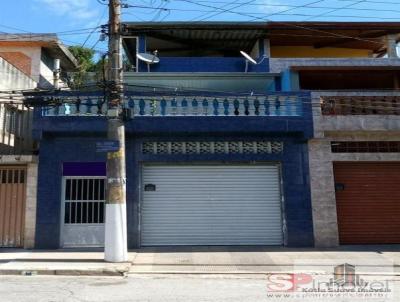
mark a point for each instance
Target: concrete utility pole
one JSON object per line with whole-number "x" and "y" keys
{"x": 115, "y": 221}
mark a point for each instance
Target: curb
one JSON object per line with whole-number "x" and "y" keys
{"x": 264, "y": 273}
{"x": 63, "y": 272}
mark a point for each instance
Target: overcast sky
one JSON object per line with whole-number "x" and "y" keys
{"x": 61, "y": 16}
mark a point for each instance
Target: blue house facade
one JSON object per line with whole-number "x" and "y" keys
{"x": 214, "y": 155}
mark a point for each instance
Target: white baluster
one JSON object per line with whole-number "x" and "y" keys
{"x": 192, "y": 109}
{"x": 184, "y": 106}
{"x": 220, "y": 107}
{"x": 242, "y": 108}
{"x": 292, "y": 105}
{"x": 147, "y": 107}
{"x": 205, "y": 105}
{"x": 157, "y": 107}
{"x": 174, "y": 107}
{"x": 283, "y": 109}
{"x": 167, "y": 106}
{"x": 252, "y": 108}
{"x": 272, "y": 105}
{"x": 231, "y": 107}
{"x": 136, "y": 107}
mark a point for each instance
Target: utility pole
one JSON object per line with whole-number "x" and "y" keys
{"x": 115, "y": 245}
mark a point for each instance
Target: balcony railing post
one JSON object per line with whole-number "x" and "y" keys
{"x": 204, "y": 104}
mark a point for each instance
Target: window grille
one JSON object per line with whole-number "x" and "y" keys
{"x": 84, "y": 200}
{"x": 212, "y": 147}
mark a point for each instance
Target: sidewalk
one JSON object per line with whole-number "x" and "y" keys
{"x": 58, "y": 262}
{"x": 379, "y": 260}
{"x": 264, "y": 260}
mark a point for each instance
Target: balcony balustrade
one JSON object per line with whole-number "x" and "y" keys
{"x": 271, "y": 105}
{"x": 360, "y": 105}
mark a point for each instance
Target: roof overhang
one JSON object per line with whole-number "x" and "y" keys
{"x": 362, "y": 35}
{"x": 48, "y": 42}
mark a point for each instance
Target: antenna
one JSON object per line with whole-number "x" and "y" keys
{"x": 248, "y": 59}
{"x": 148, "y": 58}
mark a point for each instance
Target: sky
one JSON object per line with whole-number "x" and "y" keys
{"x": 75, "y": 21}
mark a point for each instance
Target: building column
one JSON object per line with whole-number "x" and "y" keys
{"x": 323, "y": 198}
{"x": 30, "y": 206}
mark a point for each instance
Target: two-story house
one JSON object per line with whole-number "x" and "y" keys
{"x": 215, "y": 155}
{"x": 220, "y": 149}
{"x": 26, "y": 63}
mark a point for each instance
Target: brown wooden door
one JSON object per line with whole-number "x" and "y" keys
{"x": 12, "y": 205}
{"x": 368, "y": 202}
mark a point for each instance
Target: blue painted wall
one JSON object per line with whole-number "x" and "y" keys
{"x": 54, "y": 151}
{"x": 72, "y": 139}
{"x": 204, "y": 64}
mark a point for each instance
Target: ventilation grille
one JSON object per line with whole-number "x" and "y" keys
{"x": 366, "y": 147}
{"x": 216, "y": 147}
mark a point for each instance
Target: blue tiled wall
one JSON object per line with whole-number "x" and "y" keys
{"x": 55, "y": 151}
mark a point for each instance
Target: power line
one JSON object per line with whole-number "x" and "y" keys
{"x": 289, "y": 24}
{"x": 92, "y": 32}
{"x": 223, "y": 10}
{"x": 336, "y": 9}
{"x": 287, "y": 5}
{"x": 280, "y": 13}
{"x": 260, "y": 14}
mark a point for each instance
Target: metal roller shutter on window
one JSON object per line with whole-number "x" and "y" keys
{"x": 211, "y": 205}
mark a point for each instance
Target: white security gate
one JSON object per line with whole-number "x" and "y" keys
{"x": 211, "y": 205}
{"x": 83, "y": 211}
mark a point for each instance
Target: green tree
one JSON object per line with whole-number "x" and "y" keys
{"x": 85, "y": 58}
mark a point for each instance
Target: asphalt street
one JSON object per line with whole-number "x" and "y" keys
{"x": 145, "y": 288}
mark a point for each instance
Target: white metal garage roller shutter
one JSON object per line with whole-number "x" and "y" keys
{"x": 211, "y": 205}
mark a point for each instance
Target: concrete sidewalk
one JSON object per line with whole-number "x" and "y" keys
{"x": 383, "y": 260}
{"x": 265, "y": 260}
{"x": 58, "y": 262}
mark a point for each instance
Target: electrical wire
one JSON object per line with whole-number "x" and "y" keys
{"x": 336, "y": 9}
{"x": 216, "y": 14}
{"x": 102, "y": 2}
{"x": 280, "y": 13}
{"x": 287, "y": 5}
{"x": 287, "y": 24}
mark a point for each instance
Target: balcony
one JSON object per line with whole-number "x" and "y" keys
{"x": 204, "y": 64}
{"x": 360, "y": 105}
{"x": 208, "y": 82}
{"x": 356, "y": 111}
{"x": 190, "y": 106}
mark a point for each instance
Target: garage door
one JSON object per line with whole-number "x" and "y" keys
{"x": 12, "y": 205}
{"x": 368, "y": 202}
{"x": 211, "y": 205}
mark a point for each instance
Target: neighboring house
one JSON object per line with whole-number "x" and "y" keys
{"x": 25, "y": 64}
{"x": 217, "y": 156}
